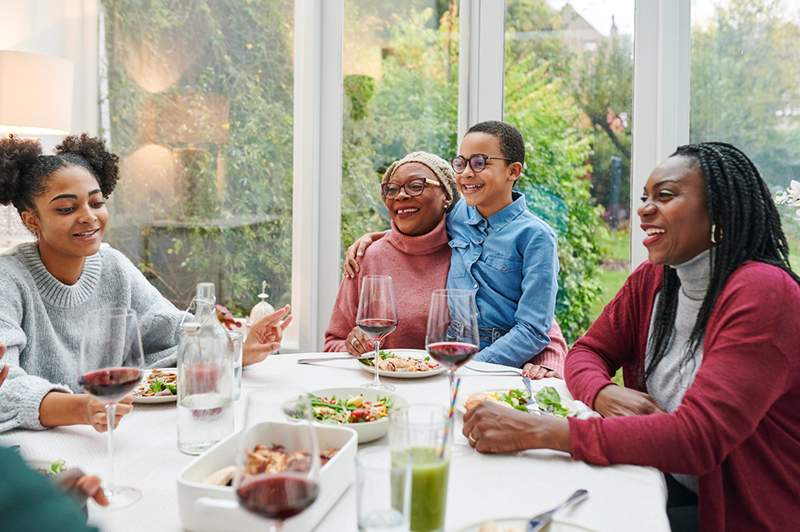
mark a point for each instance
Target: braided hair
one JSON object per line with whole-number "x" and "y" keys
{"x": 24, "y": 170}
{"x": 745, "y": 226}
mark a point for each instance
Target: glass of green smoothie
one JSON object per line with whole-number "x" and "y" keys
{"x": 418, "y": 432}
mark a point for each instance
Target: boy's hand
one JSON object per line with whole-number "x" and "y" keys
{"x": 356, "y": 251}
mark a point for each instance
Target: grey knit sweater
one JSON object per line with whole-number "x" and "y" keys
{"x": 41, "y": 323}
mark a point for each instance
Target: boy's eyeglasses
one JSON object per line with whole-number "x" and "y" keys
{"x": 415, "y": 187}
{"x": 477, "y": 162}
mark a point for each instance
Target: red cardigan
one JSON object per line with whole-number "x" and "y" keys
{"x": 738, "y": 426}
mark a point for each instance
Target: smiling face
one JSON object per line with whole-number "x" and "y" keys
{"x": 674, "y": 212}
{"x": 416, "y": 215}
{"x": 70, "y": 215}
{"x": 490, "y": 189}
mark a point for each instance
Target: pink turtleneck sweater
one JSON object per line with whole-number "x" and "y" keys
{"x": 418, "y": 266}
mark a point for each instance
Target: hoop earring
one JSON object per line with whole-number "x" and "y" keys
{"x": 714, "y": 233}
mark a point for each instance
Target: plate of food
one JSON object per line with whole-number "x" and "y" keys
{"x": 403, "y": 364}
{"x": 519, "y": 524}
{"x": 548, "y": 400}
{"x": 362, "y": 409}
{"x": 159, "y": 385}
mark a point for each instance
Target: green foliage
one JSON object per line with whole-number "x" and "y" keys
{"x": 230, "y": 219}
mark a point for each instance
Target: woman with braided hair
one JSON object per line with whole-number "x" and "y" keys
{"x": 48, "y": 286}
{"x": 706, "y": 334}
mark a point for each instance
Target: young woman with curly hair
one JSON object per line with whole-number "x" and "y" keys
{"x": 48, "y": 286}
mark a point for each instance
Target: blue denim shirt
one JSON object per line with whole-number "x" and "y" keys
{"x": 510, "y": 259}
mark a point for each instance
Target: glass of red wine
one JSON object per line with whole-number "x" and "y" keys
{"x": 452, "y": 337}
{"x": 377, "y": 317}
{"x": 110, "y": 362}
{"x": 281, "y": 494}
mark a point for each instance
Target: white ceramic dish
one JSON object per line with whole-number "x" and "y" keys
{"x": 576, "y": 408}
{"x": 208, "y": 508}
{"x": 371, "y": 430}
{"x": 155, "y": 399}
{"x": 408, "y": 353}
{"x": 519, "y": 524}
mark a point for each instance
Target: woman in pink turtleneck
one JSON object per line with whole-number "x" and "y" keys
{"x": 417, "y": 190}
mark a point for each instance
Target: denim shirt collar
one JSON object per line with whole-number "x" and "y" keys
{"x": 501, "y": 218}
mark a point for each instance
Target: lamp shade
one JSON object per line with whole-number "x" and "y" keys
{"x": 35, "y": 94}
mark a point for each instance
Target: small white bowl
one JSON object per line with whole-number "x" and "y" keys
{"x": 371, "y": 430}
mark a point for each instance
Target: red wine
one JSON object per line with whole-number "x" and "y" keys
{"x": 452, "y": 354}
{"x": 277, "y": 497}
{"x": 111, "y": 382}
{"x": 377, "y": 327}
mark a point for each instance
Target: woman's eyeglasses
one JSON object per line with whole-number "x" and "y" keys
{"x": 415, "y": 187}
{"x": 477, "y": 162}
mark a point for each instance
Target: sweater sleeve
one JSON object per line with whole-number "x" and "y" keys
{"x": 158, "y": 318}
{"x": 343, "y": 317}
{"x": 747, "y": 362}
{"x": 554, "y": 353}
{"x": 21, "y": 393}
{"x": 608, "y": 343}
{"x": 534, "y": 315}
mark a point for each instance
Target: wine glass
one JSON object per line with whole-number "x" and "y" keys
{"x": 110, "y": 362}
{"x": 452, "y": 337}
{"x": 277, "y": 495}
{"x": 377, "y": 317}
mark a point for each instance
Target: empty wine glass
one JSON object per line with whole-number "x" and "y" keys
{"x": 452, "y": 337}
{"x": 377, "y": 317}
{"x": 277, "y": 495}
{"x": 110, "y": 362}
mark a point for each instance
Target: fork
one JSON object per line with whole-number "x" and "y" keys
{"x": 531, "y": 404}
{"x": 539, "y": 521}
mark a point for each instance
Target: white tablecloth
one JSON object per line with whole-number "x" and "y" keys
{"x": 480, "y": 487}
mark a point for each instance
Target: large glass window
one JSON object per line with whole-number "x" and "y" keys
{"x": 746, "y": 87}
{"x": 569, "y": 90}
{"x": 198, "y": 106}
{"x": 400, "y": 71}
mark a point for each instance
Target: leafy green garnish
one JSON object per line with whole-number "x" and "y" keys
{"x": 173, "y": 389}
{"x": 57, "y": 467}
{"x": 158, "y": 385}
{"x": 385, "y": 354}
{"x": 516, "y": 398}
{"x": 550, "y": 401}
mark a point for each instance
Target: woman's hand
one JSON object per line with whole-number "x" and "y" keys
{"x": 81, "y": 486}
{"x": 536, "y": 372}
{"x": 265, "y": 336}
{"x": 356, "y": 251}
{"x": 96, "y": 412}
{"x": 4, "y": 371}
{"x": 493, "y": 428}
{"x": 357, "y": 343}
{"x": 614, "y": 401}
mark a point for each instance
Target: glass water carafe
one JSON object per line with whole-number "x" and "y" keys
{"x": 205, "y": 378}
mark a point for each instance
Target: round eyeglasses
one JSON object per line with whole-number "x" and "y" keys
{"x": 415, "y": 187}
{"x": 476, "y": 161}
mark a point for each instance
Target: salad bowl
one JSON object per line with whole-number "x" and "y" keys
{"x": 364, "y": 410}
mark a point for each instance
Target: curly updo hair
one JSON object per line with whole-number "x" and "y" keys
{"x": 24, "y": 170}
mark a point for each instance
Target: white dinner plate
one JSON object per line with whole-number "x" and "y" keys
{"x": 156, "y": 399}
{"x": 408, "y": 353}
{"x": 576, "y": 408}
{"x": 519, "y": 524}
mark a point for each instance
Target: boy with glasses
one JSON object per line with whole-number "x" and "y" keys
{"x": 501, "y": 250}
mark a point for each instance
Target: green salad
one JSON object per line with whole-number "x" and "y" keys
{"x": 549, "y": 401}
{"x": 355, "y": 409}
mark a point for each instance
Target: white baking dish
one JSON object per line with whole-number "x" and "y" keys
{"x": 208, "y": 508}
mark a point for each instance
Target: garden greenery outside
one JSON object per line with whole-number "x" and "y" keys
{"x": 199, "y": 95}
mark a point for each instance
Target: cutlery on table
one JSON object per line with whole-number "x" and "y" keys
{"x": 325, "y": 359}
{"x": 539, "y": 521}
{"x": 509, "y": 371}
{"x": 531, "y": 404}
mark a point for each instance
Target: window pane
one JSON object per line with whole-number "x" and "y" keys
{"x": 745, "y": 89}
{"x": 200, "y": 107}
{"x": 569, "y": 90}
{"x": 400, "y": 95}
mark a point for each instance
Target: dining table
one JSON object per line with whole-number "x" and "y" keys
{"x": 481, "y": 486}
